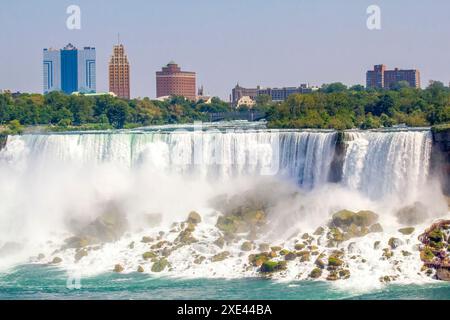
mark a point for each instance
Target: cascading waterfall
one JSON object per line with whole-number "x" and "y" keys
{"x": 387, "y": 163}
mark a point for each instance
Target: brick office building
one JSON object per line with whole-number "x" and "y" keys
{"x": 172, "y": 81}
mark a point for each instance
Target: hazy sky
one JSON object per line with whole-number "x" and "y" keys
{"x": 265, "y": 42}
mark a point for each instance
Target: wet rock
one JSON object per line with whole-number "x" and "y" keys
{"x": 41, "y": 256}
{"x": 345, "y": 218}
{"x": 335, "y": 261}
{"x": 320, "y": 263}
{"x": 319, "y": 231}
{"x": 147, "y": 239}
{"x": 118, "y": 268}
{"x": 56, "y": 260}
{"x": 220, "y": 256}
{"x": 413, "y": 214}
{"x": 335, "y": 235}
{"x": 220, "y": 242}
{"x": 376, "y": 228}
{"x": 160, "y": 265}
{"x": 290, "y": 256}
{"x": 185, "y": 237}
{"x": 394, "y": 243}
{"x": 406, "y": 253}
{"x": 299, "y": 246}
{"x": 273, "y": 266}
{"x": 443, "y": 274}
{"x": 247, "y": 246}
{"x": 257, "y": 260}
{"x": 199, "y": 260}
{"x": 333, "y": 276}
{"x": 406, "y": 231}
{"x": 304, "y": 256}
{"x": 276, "y": 248}
{"x": 149, "y": 255}
{"x": 264, "y": 247}
{"x": 315, "y": 273}
{"x": 344, "y": 274}
{"x": 194, "y": 218}
{"x": 79, "y": 242}
{"x": 387, "y": 253}
{"x": 376, "y": 245}
{"x": 131, "y": 245}
{"x": 140, "y": 269}
{"x": 80, "y": 254}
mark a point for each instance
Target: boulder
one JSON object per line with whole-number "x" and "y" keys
{"x": 264, "y": 247}
{"x": 315, "y": 273}
{"x": 160, "y": 265}
{"x": 118, "y": 268}
{"x": 220, "y": 256}
{"x": 194, "y": 218}
{"x": 406, "y": 231}
{"x": 80, "y": 254}
{"x": 56, "y": 260}
{"x": 149, "y": 255}
{"x": 273, "y": 266}
{"x": 412, "y": 215}
{"x": 299, "y": 246}
{"x": 290, "y": 256}
{"x": 345, "y": 218}
{"x": 247, "y": 246}
{"x": 394, "y": 243}
{"x": 140, "y": 269}
{"x": 443, "y": 274}
{"x": 376, "y": 228}
{"x": 220, "y": 242}
{"x": 147, "y": 239}
{"x": 319, "y": 231}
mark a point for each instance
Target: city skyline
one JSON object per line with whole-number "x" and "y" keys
{"x": 223, "y": 48}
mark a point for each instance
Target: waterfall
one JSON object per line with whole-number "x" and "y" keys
{"x": 303, "y": 157}
{"x": 387, "y": 163}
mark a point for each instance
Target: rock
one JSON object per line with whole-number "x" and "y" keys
{"x": 140, "y": 269}
{"x": 406, "y": 231}
{"x": 284, "y": 252}
{"x": 351, "y": 248}
{"x": 376, "y": 245}
{"x": 345, "y": 218}
{"x": 335, "y": 261}
{"x": 185, "y": 237}
{"x": 56, "y": 260}
{"x": 79, "y": 242}
{"x": 40, "y": 256}
{"x": 149, "y": 255}
{"x": 443, "y": 274}
{"x": 344, "y": 274}
{"x": 299, "y": 246}
{"x": 320, "y": 263}
{"x": 319, "y": 231}
{"x": 332, "y": 276}
{"x": 426, "y": 254}
{"x": 264, "y": 247}
{"x": 413, "y": 214}
{"x": 315, "y": 273}
{"x": 273, "y": 266}
{"x": 247, "y": 246}
{"x": 387, "y": 253}
{"x": 220, "y": 256}
{"x": 199, "y": 260}
{"x": 131, "y": 245}
{"x": 109, "y": 227}
{"x": 276, "y": 248}
{"x": 220, "y": 242}
{"x": 306, "y": 236}
{"x": 335, "y": 235}
{"x": 394, "y": 243}
{"x": 406, "y": 253}
{"x": 194, "y": 218}
{"x": 147, "y": 239}
{"x": 376, "y": 228}
{"x": 118, "y": 268}
{"x": 304, "y": 256}
{"x": 290, "y": 256}
{"x": 257, "y": 260}
{"x": 160, "y": 265}
{"x": 80, "y": 254}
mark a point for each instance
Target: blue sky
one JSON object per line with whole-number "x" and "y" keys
{"x": 270, "y": 43}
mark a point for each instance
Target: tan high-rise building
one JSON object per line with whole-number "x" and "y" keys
{"x": 119, "y": 73}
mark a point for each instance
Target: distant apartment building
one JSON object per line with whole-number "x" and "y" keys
{"x": 119, "y": 72}
{"x": 69, "y": 70}
{"x": 381, "y": 78}
{"x": 276, "y": 94}
{"x": 171, "y": 80}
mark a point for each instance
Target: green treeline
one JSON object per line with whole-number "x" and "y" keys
{"x": 334, "y": 106}
{"x": 100, "y": 112}
{"x": 338, "y": 107}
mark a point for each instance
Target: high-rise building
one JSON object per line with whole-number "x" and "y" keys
{"x": 70, "y": 70}
{"x": 119, "y": 73}
{"x": 172, "y": 81}
{"x": 381, "y": 78}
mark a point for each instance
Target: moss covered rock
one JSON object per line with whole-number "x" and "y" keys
{"x": 149, "y": 255}
{"x": 147, "y": 239}
{"x": 247, "y": 246}
{"x": 394, "y": 243}
{"x": 345, "y": 218}
{"x": 376, "y": 228}
{"x": 220, "y": 256}
{"x": 315, "y": 273}
{"x": 140, "y": 269}
{"x": 273, "y": 266}
{"x": 160, "y": 265}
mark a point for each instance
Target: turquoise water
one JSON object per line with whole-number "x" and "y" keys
{"x": 43, "y": 282}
